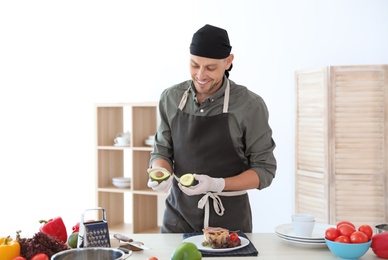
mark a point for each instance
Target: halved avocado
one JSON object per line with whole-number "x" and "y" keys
{"x": 159, "y": 175}
{"x": 187, "y": 179}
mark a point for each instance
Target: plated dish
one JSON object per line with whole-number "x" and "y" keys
{"x": 197, "y": 240}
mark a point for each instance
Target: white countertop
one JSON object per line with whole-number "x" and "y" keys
{"x": 269, "y": 246}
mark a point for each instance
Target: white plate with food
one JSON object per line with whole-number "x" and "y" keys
{"x": 198, "y": 240}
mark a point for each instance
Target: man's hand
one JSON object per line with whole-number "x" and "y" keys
{"x": 205, "y": 184}
{"x": 164, "y": 185}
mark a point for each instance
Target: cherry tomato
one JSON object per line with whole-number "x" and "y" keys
{"x": 152, "y": 258}
{"x": 358, "y": 237}
{"x": 234, "y": 236}
{"x": 367, "y": 230}
{"x": 332, "y": 233}
{"x": 40, "y": 257}
{"x": 342, "y": 239}
{"x": 345, "y": 222}
{"x": 346, "y": 229}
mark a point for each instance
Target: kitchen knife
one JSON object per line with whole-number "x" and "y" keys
{"x": 122, "y": 238}
{"x": 129, "y": 241}
{"x": 138, "y": 244}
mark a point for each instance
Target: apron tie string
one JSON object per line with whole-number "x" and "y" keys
{"x": 217, "y": 203}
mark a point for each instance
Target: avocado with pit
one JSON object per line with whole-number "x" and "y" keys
{"x": 159, "y": 175}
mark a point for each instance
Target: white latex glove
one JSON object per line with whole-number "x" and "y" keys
{"x": 205, "y": 184}
{"x": 164, "y": 185}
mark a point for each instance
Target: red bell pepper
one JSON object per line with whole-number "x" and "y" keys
{"x": 54, "y": 228}
{"x": 380, "y": 245}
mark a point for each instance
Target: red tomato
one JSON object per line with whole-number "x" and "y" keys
{"x": 152, "y": 258}
{"x": 342, "y": 239}
{"x": 346, "y": 229}
{"x": 358, "y": 237}
{"x": 332, "y": 233}
{"x": 40, "y": 257}
{"x": 367, "y": 230}
{"x": 345, "y": 222}
{"x": 19, "y": 258}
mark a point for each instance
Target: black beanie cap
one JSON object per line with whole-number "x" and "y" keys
{"x": 210, "y": 42}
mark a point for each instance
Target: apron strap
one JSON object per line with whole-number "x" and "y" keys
{"x": 183, "y": 102}
{"x": 226, "y": 98}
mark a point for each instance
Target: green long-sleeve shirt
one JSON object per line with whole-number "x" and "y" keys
{"x": 248, "y": 125}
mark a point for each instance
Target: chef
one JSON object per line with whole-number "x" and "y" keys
{"x": 219, "y": 131}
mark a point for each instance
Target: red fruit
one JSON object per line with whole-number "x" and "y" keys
{"x": 367, "y": 230}
{"x": 358, "y": 237}
{"x": 75, "y": 228}
{"x": 345, "y": 222}
{"x": 342, "y": 239}
{"x": 40, "y": 257}
{"x": 380, "y": 245}
{"x": 233, "y": 240}
{"x": 332, "y": 233}
{"x": 346, "y": 229}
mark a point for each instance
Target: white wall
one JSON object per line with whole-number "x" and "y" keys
{"x": 59, "y": 58}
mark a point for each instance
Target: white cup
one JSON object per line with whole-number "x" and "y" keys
{"x": 120, "y": 140}
{"x": 303, "y": 224}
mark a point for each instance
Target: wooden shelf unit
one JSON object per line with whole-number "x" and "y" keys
{"x": 141, "y": 119}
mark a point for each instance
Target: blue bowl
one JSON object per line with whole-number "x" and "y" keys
{"x": 348, "y": 251}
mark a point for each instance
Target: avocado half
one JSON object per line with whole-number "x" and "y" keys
{"x": 159, "y": 175}
{"x": 187, "y": 179}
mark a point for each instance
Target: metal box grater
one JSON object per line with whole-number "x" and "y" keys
{"x": 95, "y": 233}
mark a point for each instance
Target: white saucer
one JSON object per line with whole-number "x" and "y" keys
{"x": 122, "y": 184}
{"x": 122, "y": 145}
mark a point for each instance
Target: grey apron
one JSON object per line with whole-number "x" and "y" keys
{"x": 203, "y": 145}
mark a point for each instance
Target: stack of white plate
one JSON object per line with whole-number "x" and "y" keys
{"x": 121, "y": 182}
{"x": 286, "y": 233}
{"x": 150, "y": 141}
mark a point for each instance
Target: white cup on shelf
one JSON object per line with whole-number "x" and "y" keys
{"x": 122, "y": 139}
{"x": 303, "y": 224}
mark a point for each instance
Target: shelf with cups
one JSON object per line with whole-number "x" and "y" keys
{"x": 124, "y": 134}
